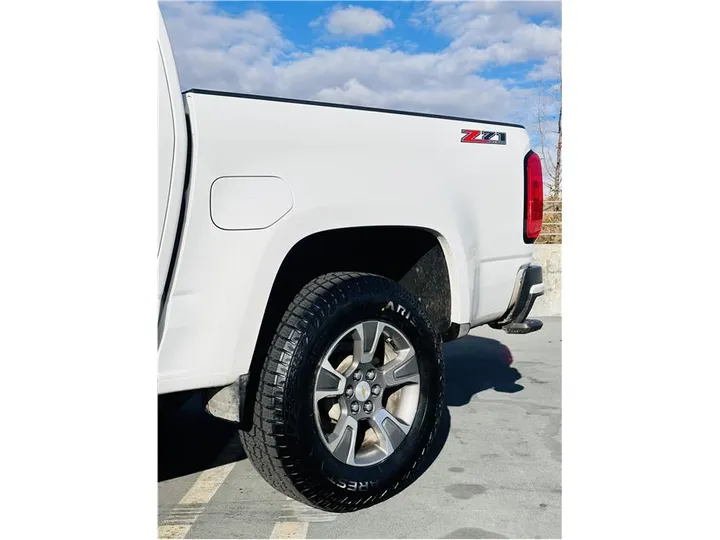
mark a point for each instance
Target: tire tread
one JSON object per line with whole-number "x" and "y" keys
{"x": 264, "y": 443}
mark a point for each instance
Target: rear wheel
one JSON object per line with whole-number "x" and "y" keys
{"x": 350, "y": 394}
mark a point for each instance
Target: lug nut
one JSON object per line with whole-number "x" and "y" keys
{"x": 376, "y": 390}
{"x": 357, "y": 375}
{"x": 370, "y": 375}
{"x": 368, "y": 406}
{"x": 354, "y": 407}
{"x": 349, "y": 391}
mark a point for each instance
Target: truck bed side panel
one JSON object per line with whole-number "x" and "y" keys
{"x": 343, "y": 168}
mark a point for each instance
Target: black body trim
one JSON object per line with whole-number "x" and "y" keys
{"x": 178, "y": 232}
{"x": 515, "y": 320}
{"x": 452, "y": 333}
{"x": 351, "y": 107}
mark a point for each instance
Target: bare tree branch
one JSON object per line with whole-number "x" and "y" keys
{"x": 549, "y": 100}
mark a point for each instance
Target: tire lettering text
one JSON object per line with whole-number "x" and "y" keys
{"x": 399, "y": 309}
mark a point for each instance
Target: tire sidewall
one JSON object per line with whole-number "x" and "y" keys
{"x": 382, "y": 300}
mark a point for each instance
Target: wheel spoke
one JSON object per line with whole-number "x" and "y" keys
{"x": 402, "y": 370}
{"x": 390, "y": 430}
{"x": 369, "y": 334}
{"x": 329, "y": 382}
{"x": 352, "y": 421}
{"x": 343, "y": 439}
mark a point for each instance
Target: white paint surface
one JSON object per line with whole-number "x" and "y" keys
{"x": 172, "y": 155}
{"x": 249, "y": 202}
{"x": 344, "y": 168}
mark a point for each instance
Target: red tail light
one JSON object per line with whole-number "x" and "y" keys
{"x": 533, "y": 198}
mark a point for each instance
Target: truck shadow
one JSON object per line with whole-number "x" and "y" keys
{"x": 190, "y": 440}
{"x": 472, "y": 365}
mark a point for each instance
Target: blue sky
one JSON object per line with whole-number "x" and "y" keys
{"x": 492, "y": 60}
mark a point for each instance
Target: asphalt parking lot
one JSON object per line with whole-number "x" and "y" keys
{"x": 495, "y": 470}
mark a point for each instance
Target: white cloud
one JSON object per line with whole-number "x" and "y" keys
{"x": 549, "y": 70}
{"x": 248, "y": 53}
{"x": 440, "y": 83}
{"x": 354, "y": 21}
{"x": 197, "y": 25}
{"x": 497, "y": 28}
{"x": 215, "y": 50}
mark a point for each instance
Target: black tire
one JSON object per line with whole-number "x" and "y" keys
{"x": 283, "y": 443}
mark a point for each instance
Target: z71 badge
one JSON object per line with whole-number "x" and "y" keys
{"x": 483, "y": 137}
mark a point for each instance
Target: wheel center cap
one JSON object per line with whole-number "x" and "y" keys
{"x": 362, "y": 391}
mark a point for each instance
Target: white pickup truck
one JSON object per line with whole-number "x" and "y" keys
{"x": 313, "y": 258}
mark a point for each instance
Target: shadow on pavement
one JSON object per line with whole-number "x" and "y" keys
{"x": 472, "y": 365}
{"x": 190, "y": 440}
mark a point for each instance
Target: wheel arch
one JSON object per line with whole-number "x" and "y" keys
{"x": 418, "y": 258}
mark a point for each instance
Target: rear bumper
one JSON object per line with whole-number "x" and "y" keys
{"x": 528, "y": 286}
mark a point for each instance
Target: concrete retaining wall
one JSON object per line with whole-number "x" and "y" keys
{"x": 550, "y": 257}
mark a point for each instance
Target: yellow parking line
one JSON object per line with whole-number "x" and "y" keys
{"x": 290, "y": 529}
{"x": 182, "y": 517}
